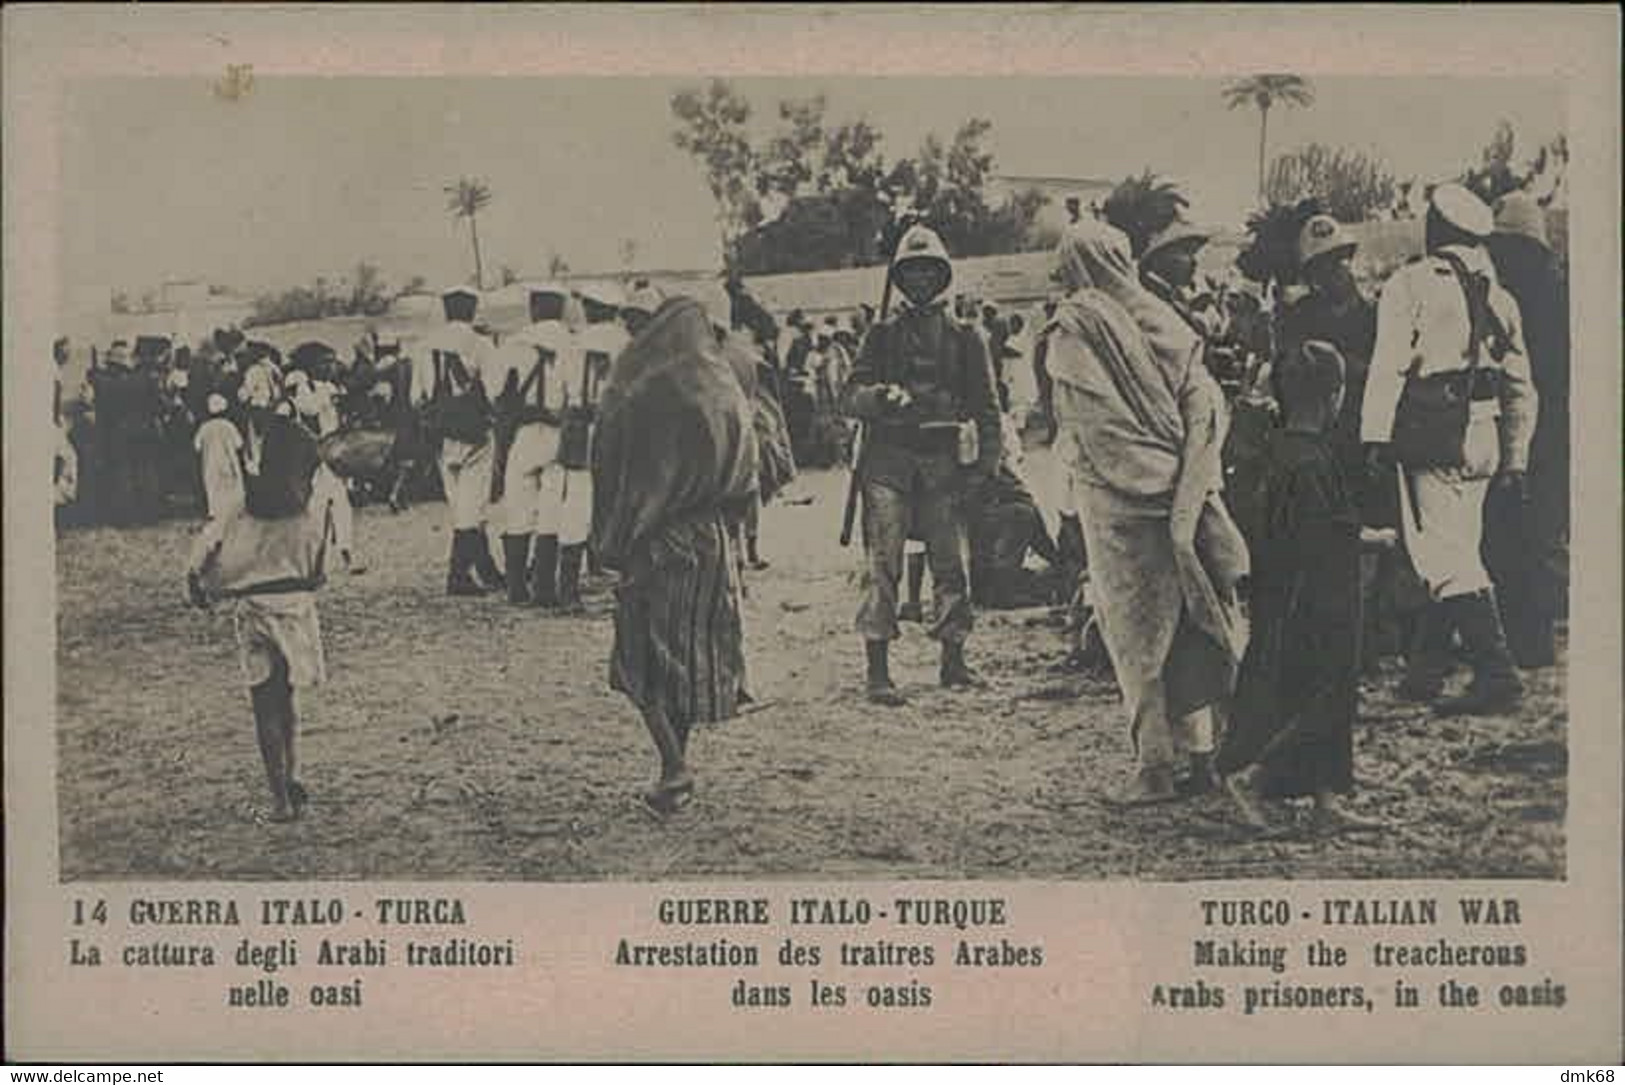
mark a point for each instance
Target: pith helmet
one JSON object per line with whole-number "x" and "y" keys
{"x": 1177, "y": 232}
{"x": 1323, "y": 235}
{"x": 921, "y": 244}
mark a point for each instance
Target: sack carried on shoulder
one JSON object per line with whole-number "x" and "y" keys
{"x": 463, "y": 414}
{"x": 1430, "y": 422}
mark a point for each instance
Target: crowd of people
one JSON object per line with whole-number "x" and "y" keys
{"x": 129, "y": 430}
{"x": 1250, "y": 512}
{"x": 1340, "y": 490}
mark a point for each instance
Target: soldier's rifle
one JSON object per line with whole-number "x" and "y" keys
{"x": 860, "y": 444}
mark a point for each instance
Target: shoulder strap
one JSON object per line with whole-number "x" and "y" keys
{"x": 1483, "y": 323}
{"x": 587, "y": 365}
{"x": 454, "y": 369}
{"x": 534, "y": 376}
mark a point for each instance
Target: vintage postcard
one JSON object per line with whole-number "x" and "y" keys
{"x": 759, "y": 532}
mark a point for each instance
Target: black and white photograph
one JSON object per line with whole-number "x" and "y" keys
{"x": 573, "y": 479}
{"x": 910, "y": 533}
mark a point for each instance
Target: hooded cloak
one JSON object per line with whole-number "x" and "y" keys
{"x": 675, "y": 437}
{"x": 1146, "y": 428}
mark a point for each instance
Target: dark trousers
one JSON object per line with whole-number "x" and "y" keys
{"x": 1525, "y": 553}
{"x": 130, "y": 485}
{"x": 935, "y": 516}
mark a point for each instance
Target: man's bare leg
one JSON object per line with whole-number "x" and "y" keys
{"x": 297, "y": 796}
{"x": 675, "y": 779}
{"x": 269, "y": 729}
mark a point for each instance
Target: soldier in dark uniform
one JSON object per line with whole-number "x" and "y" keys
{"x": 920, "y": 381}
{"x": 1335, "y": 312}
{"x": 1526, "y": 544}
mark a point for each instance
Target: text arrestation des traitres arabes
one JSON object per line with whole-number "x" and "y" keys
{"x": 282, "y": 952}
{"x": 831, "y": 952}
{"x": 1358, "y": 953}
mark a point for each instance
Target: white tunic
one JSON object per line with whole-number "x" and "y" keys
{"x": 479, "y": 358}
{"x": 1423, "y": 322}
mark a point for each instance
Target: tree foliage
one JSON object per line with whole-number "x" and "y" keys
{"x": 1264, "y": 92}
{"x": 465, "y": 200}
{"x": 711, "y": 126}
{"x": 1352, "y": 186}
{"x": 820, "y": 194}
{"x": 1271, "y": 254}
{"x": 1142, "y": 207}
{"x": 366, "y": 294}
{"x": 1499, "y": 173}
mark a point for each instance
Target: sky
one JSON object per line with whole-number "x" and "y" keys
{"x": 306, "y": 176}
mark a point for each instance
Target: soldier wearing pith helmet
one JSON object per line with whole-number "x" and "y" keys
{"x": 1334, "y": 311}
{"x": 924, "y": 388}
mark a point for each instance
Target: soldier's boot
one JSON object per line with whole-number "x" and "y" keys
{"x": 485, "y": 564}
{"x": 1496, "y": 687}
{"x": 570, "y": 558}
{"x": 912, "y": 611}
{"x": 878, "y": 686}
{"x": 459, "y": 573}
{"x": 516, "y": 565}
{"x": 1428, "y": 660}
{"x": 544, "y": 566}
{"x": 955, "y": 673}
{"x": 1204, "y": 775}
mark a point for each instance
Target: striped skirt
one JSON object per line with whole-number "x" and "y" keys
{"x": 679, "y": 645}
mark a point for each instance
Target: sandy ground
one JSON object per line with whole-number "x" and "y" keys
{"x": 467, "y": 739}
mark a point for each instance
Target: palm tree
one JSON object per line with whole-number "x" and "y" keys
{"x": 1265, "y": 91}
{"x": 465, "y": 200}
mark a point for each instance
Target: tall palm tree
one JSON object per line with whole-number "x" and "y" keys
{"x": 465, "y": 200}
{"x": 1264, "y": 91}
